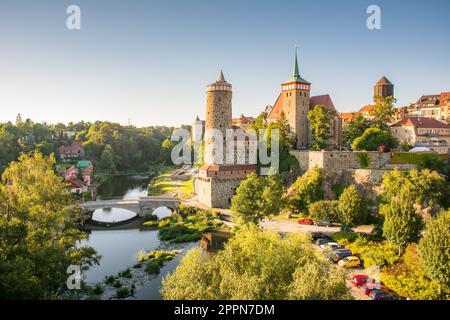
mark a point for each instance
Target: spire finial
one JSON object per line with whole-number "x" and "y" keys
{"x": 295, "y": 72}
{"x": 221, "y": 77}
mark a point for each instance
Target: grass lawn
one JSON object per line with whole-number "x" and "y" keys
{"x": 164, "y": 183}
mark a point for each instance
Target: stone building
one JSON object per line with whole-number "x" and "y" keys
{"x": 219, "y": 177}
{"x": 295, "y": 102}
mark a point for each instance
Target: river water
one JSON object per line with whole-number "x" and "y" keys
{"x": 119, "y": 248}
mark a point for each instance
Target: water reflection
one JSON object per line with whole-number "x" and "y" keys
{"x": 162, "y": 212}
{"x": 119, "y": 250}
{"x": 112, "y": 215}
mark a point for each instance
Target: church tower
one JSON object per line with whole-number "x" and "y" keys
{"x": 295, "y": 104}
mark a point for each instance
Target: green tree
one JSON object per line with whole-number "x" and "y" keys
{"x": 320, "y": 123}
{"x": 256, "y": 265}
{"x": 425, "y": 186}
{"x": 434, "y": 251}
{"x": 324, "y": 210}
{"x": 355, "y": 129}
{"x": 257, "y": 197}
{"x": 372, "y": 138}
{"x": 38, "y": 231}
{"x": 383, "y": 112}
{"x": 306, "y": 189}
{"x": 107, "y": 159}
{"x": 352, "y": 207}
{"x": 402, "y": 224}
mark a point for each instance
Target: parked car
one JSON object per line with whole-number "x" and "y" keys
{"x": 330, "y": 245}
{"x": 306, "y": 221}
{"x": 322, "y": 241}
{"x": 320, "y": 235}
{"x": 340, "y": 254}
{"x": 349, "y": 262}
{"x": 345, "y": 229}
{"x": 378, "y": 294}
{"x": 323, "y": 223}
{"x": 369, "y": 287}
{"x": 359, "y": 280}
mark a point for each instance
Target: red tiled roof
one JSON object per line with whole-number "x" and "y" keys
{"x": 275, "y": 113}
{"x": 445, "y": 96}
{"x": 347, "y": 115}
{"x": 236, "y": 167}
{"x": 324, "y": 100}
{"x": 367, "y": 108}
{"x": 421, "y": 122}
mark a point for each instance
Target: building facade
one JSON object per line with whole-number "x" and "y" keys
{"x": 423, "y": 132}
{"x": 436, "y": 106}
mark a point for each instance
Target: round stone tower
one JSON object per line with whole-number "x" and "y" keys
{"x": 218, "y": 105}
{"x": 218, "y": 116}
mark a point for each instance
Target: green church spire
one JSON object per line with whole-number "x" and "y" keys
{"x": 295, "y": 72}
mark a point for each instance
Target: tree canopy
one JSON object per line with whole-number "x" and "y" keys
{"x": 257, "y": 197}
{"x": 38, "y": 231}
{"x": 257, "y": 265}
{"x": 320, "y": 120}
{"x": 373, "y": 138}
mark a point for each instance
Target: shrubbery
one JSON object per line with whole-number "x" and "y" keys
{"x": 324, "y": 210}
{"x": 153, "y": 266}
{"x": 122, "y": 293}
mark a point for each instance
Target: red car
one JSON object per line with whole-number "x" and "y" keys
{"x": 359, "y": 280}
{"x": 369, "y": 287}
{"x": 306, "y": 221}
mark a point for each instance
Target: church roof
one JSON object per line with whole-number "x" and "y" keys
{"x": 324, "y": 100}
{"x": 277, "y": 108}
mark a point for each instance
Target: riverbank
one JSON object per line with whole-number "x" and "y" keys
{"x": 126, "y": 283}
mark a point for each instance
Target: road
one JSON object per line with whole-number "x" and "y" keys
{"x": 284, "y": 226}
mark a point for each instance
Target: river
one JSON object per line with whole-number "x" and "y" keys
{"x": 119, "y": 248}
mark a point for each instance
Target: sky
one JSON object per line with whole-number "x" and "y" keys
{"x": 148, "y": 62}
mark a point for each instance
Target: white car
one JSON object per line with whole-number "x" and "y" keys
{"x": 330, "y": 245}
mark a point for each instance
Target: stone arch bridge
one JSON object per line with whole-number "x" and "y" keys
{"x": 140, "y": 206}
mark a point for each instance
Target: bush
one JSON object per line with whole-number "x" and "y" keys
{"x": 170, "y": 233}
{"x": 151, "y": 224}
{"x": 137, "y": 266}
{"x": 122, "y": 293}
{"x": 97, "y": 290}
{"x": 363, "y": 159}
{"x": 352, "y": 207}
{"x": 117, "y": 284}
{"x": 324, "y": 210}
{"x": 125, "y": 274}
{"x": 159, "y": 255}
{"x": 110, "y": 280}
{"x": 345, "y": 238}
{"x": 153, "y": 266}
{"x": 150, "y": 217}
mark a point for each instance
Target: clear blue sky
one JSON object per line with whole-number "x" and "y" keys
{"x": 149, "y": 61}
